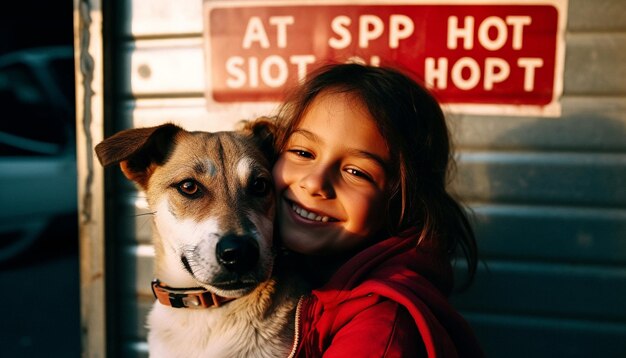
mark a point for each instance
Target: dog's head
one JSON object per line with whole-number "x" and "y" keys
{"x": 212, "y": 199}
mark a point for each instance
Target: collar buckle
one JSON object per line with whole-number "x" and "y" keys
{"x": 194, "y": 297}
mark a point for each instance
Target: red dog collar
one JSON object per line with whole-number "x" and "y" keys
{"x": 195, "y": 297}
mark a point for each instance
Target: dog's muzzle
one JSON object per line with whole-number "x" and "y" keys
{"x": 231, "y": 264}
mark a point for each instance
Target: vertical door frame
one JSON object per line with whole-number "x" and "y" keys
{"x": 88, "y": 51}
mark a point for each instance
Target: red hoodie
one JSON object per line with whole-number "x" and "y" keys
{"x": 390, "y": 300}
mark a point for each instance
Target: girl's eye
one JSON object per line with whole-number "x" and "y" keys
{"x": 301, "y": 153}
{"x": 358, "y": 174}
{"x": 189, "y": 188}
{"x": 260, "y": 187}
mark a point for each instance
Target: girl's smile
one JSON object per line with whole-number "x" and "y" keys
{"x": 331, "y": 178}
{"x": 310, "y": 215}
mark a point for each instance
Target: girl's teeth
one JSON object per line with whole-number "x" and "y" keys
{"x": 308, "y": 215}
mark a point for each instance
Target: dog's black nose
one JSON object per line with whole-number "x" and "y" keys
{"x": 237, "y": 253}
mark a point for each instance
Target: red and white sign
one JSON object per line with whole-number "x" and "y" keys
{"x": 493, "y": 57}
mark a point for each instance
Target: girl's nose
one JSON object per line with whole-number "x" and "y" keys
{"x": 318, "y": 183}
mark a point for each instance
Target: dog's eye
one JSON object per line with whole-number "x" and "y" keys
{"x": 260, "y": 186}
{"x": 189, "y": 188}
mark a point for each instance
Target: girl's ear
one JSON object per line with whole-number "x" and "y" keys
{"x": 263, "y": 131}
{"x": 138, "y": 150}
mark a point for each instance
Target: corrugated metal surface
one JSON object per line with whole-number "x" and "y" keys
{"x": 548, "y": 194}
{"x": 549, "y": 200}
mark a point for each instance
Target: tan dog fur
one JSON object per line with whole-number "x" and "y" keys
{"x": 232, "y": 175}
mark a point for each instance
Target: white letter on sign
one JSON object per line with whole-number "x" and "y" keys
{"x": 466, "y": 33}
{"x": 266, "y": 71}
{"x": 253, "y": 70}
{"x": 457, "y": 73}
{"x": 518, "y": 23}
{"x": 365, "y": 34}
{"x": 491, "y": 75}
{"x": 339, "y": 26}
{"x": 301, "y": 61}
{"x": 400, "y": 27}
{"x": 437, "y": 73}
{"x": 501, "y": 33}
{"x": 233, "y": 67}
{"x": 529, "y": 64}
{"x": 255, "y": 32}
{"x": 281, "y": 23}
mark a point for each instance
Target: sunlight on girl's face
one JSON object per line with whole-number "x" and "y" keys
{"x": 331, "y": 179}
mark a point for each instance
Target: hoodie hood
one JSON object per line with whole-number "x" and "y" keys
{"x": 415, "y": 277}
{"x": 385, "y": 260}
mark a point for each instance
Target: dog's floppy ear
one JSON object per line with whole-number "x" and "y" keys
{"x": 263, "y": 131}
{"x": 138, "y": 150}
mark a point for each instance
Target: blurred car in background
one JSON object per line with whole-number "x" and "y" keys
{"x": 37, "y": 148}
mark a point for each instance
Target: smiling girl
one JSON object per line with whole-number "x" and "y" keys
{"x": 362, "y": 204}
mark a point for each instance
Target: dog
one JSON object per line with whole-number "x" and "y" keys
{"x": 211, "y": 194}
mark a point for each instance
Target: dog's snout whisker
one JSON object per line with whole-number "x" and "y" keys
{"x": 152, "y": 213}
{"x": 186, "y": 264}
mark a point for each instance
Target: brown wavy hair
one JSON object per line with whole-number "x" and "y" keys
{"x": 414, "y": 127}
